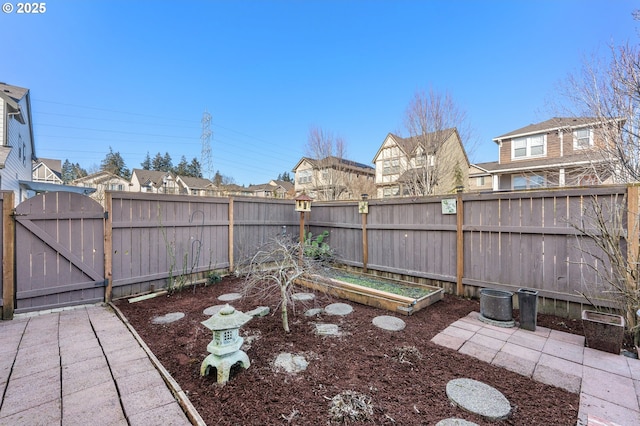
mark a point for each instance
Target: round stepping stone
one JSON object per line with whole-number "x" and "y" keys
{"x": 455, "y": 422}
{"x": 168, "y": 318}
{"x": 301, "y": 297}
{"x": 478, "y": 398}
{"x": 338, "y": 309}
{"x": 291, "y": 363}
{"x": 212, "y": 310}
{"x": 387, "y": 322}
{"x": 229, "y": 297}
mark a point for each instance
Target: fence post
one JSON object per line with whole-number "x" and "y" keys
{"x": 633, "y": 236}
{"x": 230, "y": 242}
{"x": 108, "y": 246}
{"x": 8, "y": 256}
{"x": 459, "y": 243}
{"x": 363, "y": 207}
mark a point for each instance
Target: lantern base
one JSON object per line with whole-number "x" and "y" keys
{"x": 223, "y": 364}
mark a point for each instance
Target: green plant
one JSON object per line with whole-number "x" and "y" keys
{"x": 316, "y": 247}
{"x": 213, "y": 277}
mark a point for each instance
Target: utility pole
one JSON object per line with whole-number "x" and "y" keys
{"x": 205, "y": 137}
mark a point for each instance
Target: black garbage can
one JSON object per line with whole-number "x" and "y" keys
{"x": 528, "y": 305}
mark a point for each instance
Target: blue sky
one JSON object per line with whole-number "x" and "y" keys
{"x": 137, "y": 76}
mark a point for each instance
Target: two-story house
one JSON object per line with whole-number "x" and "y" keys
{"x": 273, "y": 189}
{"x": 153, "y": 181}
{"x": 333, "y": 178}
{"x": 433, "y": 164}
{"x": 17, "y": 146}
{"x": 101, "y": 182}
{"x": 560, "y": 151}
{"x": 47, "y": 170}
{"x": 190, "y": 185}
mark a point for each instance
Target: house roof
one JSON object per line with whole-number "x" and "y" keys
{"x": 333, "y": 161}
{"x": 555, "y": 123}
{"x": 99, "y": 177}
{"x": 195, "y": 182}
{"x": 150, "y": 177}
{"x": 53, "y": 165}
{"x": 40, "y": 187}
{"x": 428, "y": 142}
{"x": 12, "y": 94}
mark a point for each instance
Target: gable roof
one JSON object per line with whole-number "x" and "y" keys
{"x": 333, "y": 161}
{"x": 410, "y": 144}
{"x": 12, "y": 96}
{"x": 195, "y": 182}
{"x": 555, "y": 123}
{"x": 99, "y": 177}
{"x": 150, "y": 177}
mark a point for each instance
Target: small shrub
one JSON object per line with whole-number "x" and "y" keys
{"x": 350, "y": 406}
{"x": 317, "y": 248}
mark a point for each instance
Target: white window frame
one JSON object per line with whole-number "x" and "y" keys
{"x": 528, "y": 182}
{"x": 577, "y": 138}
{"x": 528, "y": 144}
{"x": 304, "y": 176}
{"x": 480, "y": 181}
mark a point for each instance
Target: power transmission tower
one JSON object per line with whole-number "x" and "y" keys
{"x": 207, "y": 161}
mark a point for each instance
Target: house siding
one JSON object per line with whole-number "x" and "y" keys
{"x": 18, "y": 165}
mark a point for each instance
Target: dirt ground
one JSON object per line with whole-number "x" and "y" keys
{"x": 402, "y": 374}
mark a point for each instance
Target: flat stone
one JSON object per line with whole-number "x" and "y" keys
{"x": 300, "y": 297}
{"x": 327, "y": 329}
{"x": 260, "y": 311}
{"x": 212, "y": 310}
{"x": 229, "y": 297}
{"x": 478, "y": 398}
{"x": 455, "y": 422}
{"x": 313, "y": 312}
{"x": 291, "y": 363}
{"x": 387, "y": 322}
{"x": 338, "y": 309}
{"x": 168, "y": 318}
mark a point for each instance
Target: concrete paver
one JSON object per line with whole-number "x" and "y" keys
{"x": 608, "y": 384}
{"x": 83, "y": 367}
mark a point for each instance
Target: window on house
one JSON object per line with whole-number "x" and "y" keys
{"x": 528, "y": 182}
{"x": 582, "y": 138}
{"x": 530, "y": 146}
{"x": 392, "y": 191}
{"x": 480, "y": 181}
{"x": 304, "y": 176}
{"x": 390, "y": 167}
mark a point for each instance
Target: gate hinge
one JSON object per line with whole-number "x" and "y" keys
{"x": 106, "y": 215}
{"x": 102, "y": 283}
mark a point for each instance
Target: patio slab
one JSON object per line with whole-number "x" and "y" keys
{"x": 609, "y": 387}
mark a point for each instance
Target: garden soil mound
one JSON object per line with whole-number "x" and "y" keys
{"x": 401, "y": 375}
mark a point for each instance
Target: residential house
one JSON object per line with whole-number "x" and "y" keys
{"x": 102, "y": 181}
{"x": 273, "y": 189}
{"x": 153, "y": 181}
{"x": 333, "y": 178}
{"x": 433, "y": 164}
{"x": 231, "y": 190}
{"x": 47, "y": 170}
{"x": 480, "y": 177}
{"x": 556, "y": 152}
{"x": 17, "y": 145}
{"x": 195, "y": 186}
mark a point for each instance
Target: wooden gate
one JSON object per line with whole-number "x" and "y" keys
{"x": 59, "y": 251}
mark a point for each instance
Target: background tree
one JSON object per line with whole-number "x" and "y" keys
{"x": 194, "y": 168}
{"x": 71, "y": 171}
{"x": 114, "y": 163}
{"x": 429, "y": 119}
{"x": 328, "y": 152}
{"x": 182, "y": 168}
{"x": 146, "y": 164}
{"x": 162, "y": 163}
{"x": 285, "y": 177}
{"x": 609, "y": 93}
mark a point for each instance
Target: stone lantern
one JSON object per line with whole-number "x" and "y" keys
{"x": 224, "y": 349}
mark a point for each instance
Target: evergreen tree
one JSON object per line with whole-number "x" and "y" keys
{"x": 114, "y": 163}
{"x": 194, "y": 168}
{"x": 146, "y": 164}
{"x": 162, "y": 163}
{"x": 217, "y": 178}
{"x": 67, "y": 171}
{"x": 182, "y": 169}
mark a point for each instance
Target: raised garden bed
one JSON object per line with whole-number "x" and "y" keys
{"x": 394, "y": 295}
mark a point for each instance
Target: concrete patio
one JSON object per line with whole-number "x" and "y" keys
{"x": 83, "y": 366}
{"x": 608, "y": 384}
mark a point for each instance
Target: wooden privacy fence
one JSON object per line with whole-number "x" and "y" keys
{"x": 498, "y": 240}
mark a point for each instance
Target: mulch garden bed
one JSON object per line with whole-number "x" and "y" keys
{"x": 402, "y": 374}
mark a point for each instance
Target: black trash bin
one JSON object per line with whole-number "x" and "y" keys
{"x": 528, "y": 305}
